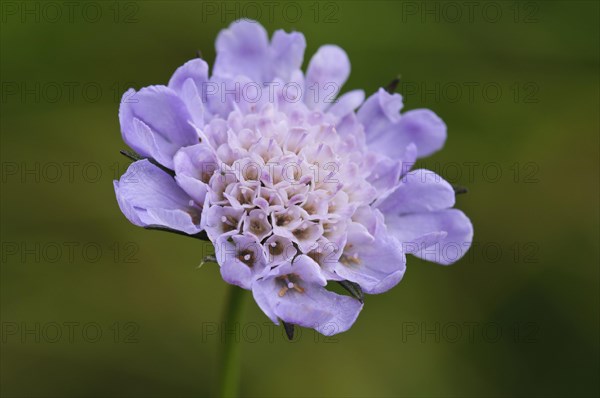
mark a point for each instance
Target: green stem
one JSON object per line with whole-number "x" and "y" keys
{"x": 230, "y": 349}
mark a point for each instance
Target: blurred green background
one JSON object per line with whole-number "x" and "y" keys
{"x": 517, "y": 84}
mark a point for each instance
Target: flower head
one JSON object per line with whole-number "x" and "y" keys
{"x": 294, "y": 185}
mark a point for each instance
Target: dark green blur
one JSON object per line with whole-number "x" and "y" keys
{"x": 519, "y": 91}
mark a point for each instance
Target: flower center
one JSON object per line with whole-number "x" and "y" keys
{"x": 275, "y": 248}
{"x": 229, "y": 224}
{"x": 287, "y": 176}
{"x": 247, "y": 257}
{"x": 349, "y": 259}
{"x": 301, "y": 232}
{"x": 289, "y": 282}
{"x": 284, "y": 219}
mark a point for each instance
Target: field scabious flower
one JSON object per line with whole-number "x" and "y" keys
{"x": 294, "y": 186}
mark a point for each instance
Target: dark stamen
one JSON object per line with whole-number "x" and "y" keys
{"x": 354, "y": 289}
{"x": 459, "y": 190}
{"x": 391, "y": 87}
{"x": 200, "y": 235}
{"x": 135, "y": 157}
{"x": 289, "y": 330}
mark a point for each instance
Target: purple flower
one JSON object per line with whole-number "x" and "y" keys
{"x": 295, "y": 186}
{"x": 295, "y": 292}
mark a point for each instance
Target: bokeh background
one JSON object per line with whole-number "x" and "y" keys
{"x": 95, "y": 307}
